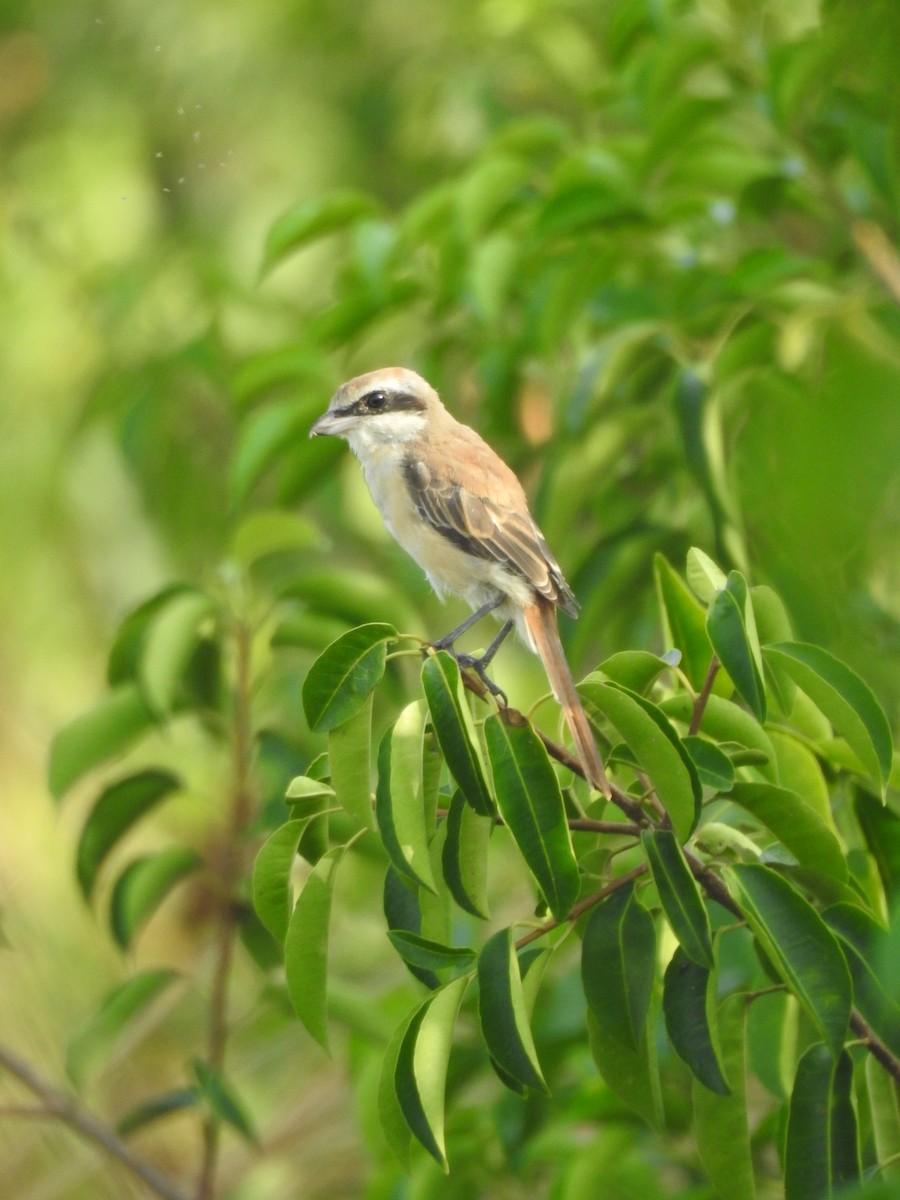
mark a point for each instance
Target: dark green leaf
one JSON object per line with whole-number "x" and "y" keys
{"x": 796, "y": 824}
{"x": 344, "y": 674}
{"x": 733, "y": 638}
{"x": 684, "y": 621}
{"x": 143, "y": 886}
{"x": 686, "y": 1004}
{"x": 455, "y": 728}
{"x": 464, "y": 863}
{"x": 726, "y": 722}
{"x": 170, "y": 639}
{"x": 656, "y": 747}
{"x": 531, "y": 804}
{"x": 714, "y": 768}
{"x": 844, "y": 698}
{"x": 503, "y": 1013}
{"x": 867, "y": 949}
{"x": 429, "y": 955}
{"x": 125, "y": 655}
{"x": 97, "y": 736}
{"x": 800, "y": 946}
{"x": 679, "y": 895}
{"x": 821, "y": 1150}
{"x": 884, "y": 1105}
{"x": 155, "y": 1109}
{"x": 95, "y": 1040}
{"x": 721, "y": 1124}
{"x": 223, "y": 1103}
{"x": 313, "y": 219}
{"x": 117, "y": 808}
{"x": 403, "y": 912}
{"x": 618, "y": 965}
{"x": 881, "y": 829}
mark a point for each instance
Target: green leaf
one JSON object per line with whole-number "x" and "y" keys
{"x": 799, "y": 771}
{"x": 95, "y": 1040}
{"x": 774, "y": 625}
{"x": 679, "y": 895}
{"x": 714, "y": 768}
{"x": 705, "y": 578}
{"x": 465, "y": 858}
{"x": 796, "y": 824}
{"x": 881, "y": 829}
{"x": 143, "y": 886}
{"x": 821, "y": 1153}
{"x": 455, "y": 729}
{"x": 272, "y": 531}
{"x": 170, "y": 640}
{"x": 503, "y": 1013}
{"x": 313, "y": 219}
{"x": 344, "y": 674}
{"x": 430, "y": 956}
{"x": 349, "y": 757}
{"x": 265, "y": 433}
{"x": 799, "y": 945}
{"x": 308, "y": 795}
{"x": 166, "y": 1104}
{"x": 686, "y": 1004}
{"x": 733, "y": 637}
{"x": 306, "y": 947}
{"x": 844, "y": 698}
{"x": 125, "y": 654}
{"x": 884, "y": 1105}
{"x": 421, "y": 1069}
{"x": 618, "y": 964}
{"x": 634, "y": 669}
{"x": 117, "y": 808}
{"x": 272, "y": 892}
{"x": 97, "y": 736}
{"x": 867, "y": 949}
{"x": 402, "y": 902}
{"x": 400, "y": 796}
{"x": 721, "y": 1124}
{"x": 656, "y": 747}
{"x": 222, "y": 1102}
{"x": 726, "y": 722}
{"x": 684, "y": 621}
{"x": 390, "y": 1114}
{"x": 531, "y": 805}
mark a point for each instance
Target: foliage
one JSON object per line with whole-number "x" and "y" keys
{"x": 661, "y": 282}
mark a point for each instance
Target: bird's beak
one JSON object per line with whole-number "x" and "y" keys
{"x": 324, "y": 425}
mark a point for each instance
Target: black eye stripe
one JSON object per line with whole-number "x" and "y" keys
{"x": 381, "y": 401}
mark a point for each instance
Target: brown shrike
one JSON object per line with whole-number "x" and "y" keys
{"x": 460, "y": 512}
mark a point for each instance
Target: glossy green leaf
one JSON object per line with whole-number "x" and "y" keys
{"x": 679, "y": 895}
{"x": 431, "y": 956}
{"x": 705, "y": 578}
{"x": 714, "y": 768}
{"x": 732, "y": 634}
{"x": 166, "y": 1104}
{"x": 503, "y": 1013}
{"x": 222, "y": 1101}
{"x": 655, "y": 745}
{"x": 800, "y": 946}
{"x": 402, "y": 903}
{"x": 308, "y": 795}
{"x": 97, "y": 736}
{"x": 867, "y": 949}
{"x": 272, "y": 891}
{"x": 618, "y": 964}
{"x": 847, "y": 702}
{"x": 143, "y": 886}
{"x": 884, "y": 1105}
{"x": 344, "y": 674}
{"x": 799, "y": 771}
{"x": 117, "y": 808}
{"x": 721, "y": 1124}
{"x": 306, "y": 947}
{"x": 634, "y": 669}
{"x": 390, "y": 1114}
{"x": 774, "y": 625}
{"x": 796, "y": 824}
{"x": 169, "y": 642}
{"x": 684, "y": 621}
{"x": 421, "y": 1070}
{"x": 465, "y": 858}
{"x": 93, "y": 1043}
{"x": 400, "y": 798}
{"x": 313, "y": 219}
{"x": 821, "y": 1152}
{"x": 455, "y": 728}
{"x": 686, "y": 1004}
{"x": 531, "y": 804}
{"x": 272, "y": 531}
{"x": 349, "y": 757}
{"x": 724, "y": 722}
{"x": 881, "y": 830}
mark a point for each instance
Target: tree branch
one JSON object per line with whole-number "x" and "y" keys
{"x": 703, "y": 698}
{"x": 582, "y": 906}
{"x": 56, "y": 1105}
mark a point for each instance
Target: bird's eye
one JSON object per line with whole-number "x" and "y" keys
{"x": 375, "y": 401}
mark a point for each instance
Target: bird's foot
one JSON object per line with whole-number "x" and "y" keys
{"x": 479, "y": 664}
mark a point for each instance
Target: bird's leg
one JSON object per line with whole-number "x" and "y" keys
{"x": 446, "y": 642}
{"x": 478, "y": 663}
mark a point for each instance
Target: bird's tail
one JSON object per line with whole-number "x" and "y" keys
{"x": 540, "y": 623}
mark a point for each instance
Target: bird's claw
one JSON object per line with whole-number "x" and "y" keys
{"x": 479, "y": 666}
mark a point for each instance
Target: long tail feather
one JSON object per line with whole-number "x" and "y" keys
{"x": 540, "y": 621}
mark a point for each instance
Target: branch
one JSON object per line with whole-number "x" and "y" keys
{"x": 881, "y": 255}
{"x": 583, "y": 905}
{"x": 56, "y": 1105}
{"x": 703, "y": 698}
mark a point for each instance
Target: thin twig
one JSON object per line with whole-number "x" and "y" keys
{"x": 56, "y": 1105}
{"x": 582, "y": 906}
{"x": 880, "y": 254}
{"x": 703, "y": 699}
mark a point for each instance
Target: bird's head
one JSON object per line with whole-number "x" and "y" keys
{"x": 384, "y": 407}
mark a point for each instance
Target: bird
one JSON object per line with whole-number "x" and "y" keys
{"x": 461, "y": 513}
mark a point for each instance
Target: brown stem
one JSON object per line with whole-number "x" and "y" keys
{"x": 56, "y": 1105}
{"x": 703, "y": 699}
{"x": 880, "y": 254}
{"x": 582, "y": 906}
{"x": 230, "y": 876}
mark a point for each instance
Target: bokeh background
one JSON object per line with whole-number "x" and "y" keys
{"x": 691, "y": 284}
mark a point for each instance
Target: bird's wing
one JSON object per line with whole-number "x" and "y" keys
{"x": 486, "y": 528}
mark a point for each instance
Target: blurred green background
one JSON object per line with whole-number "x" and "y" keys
{"x": 661, "y": 231}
